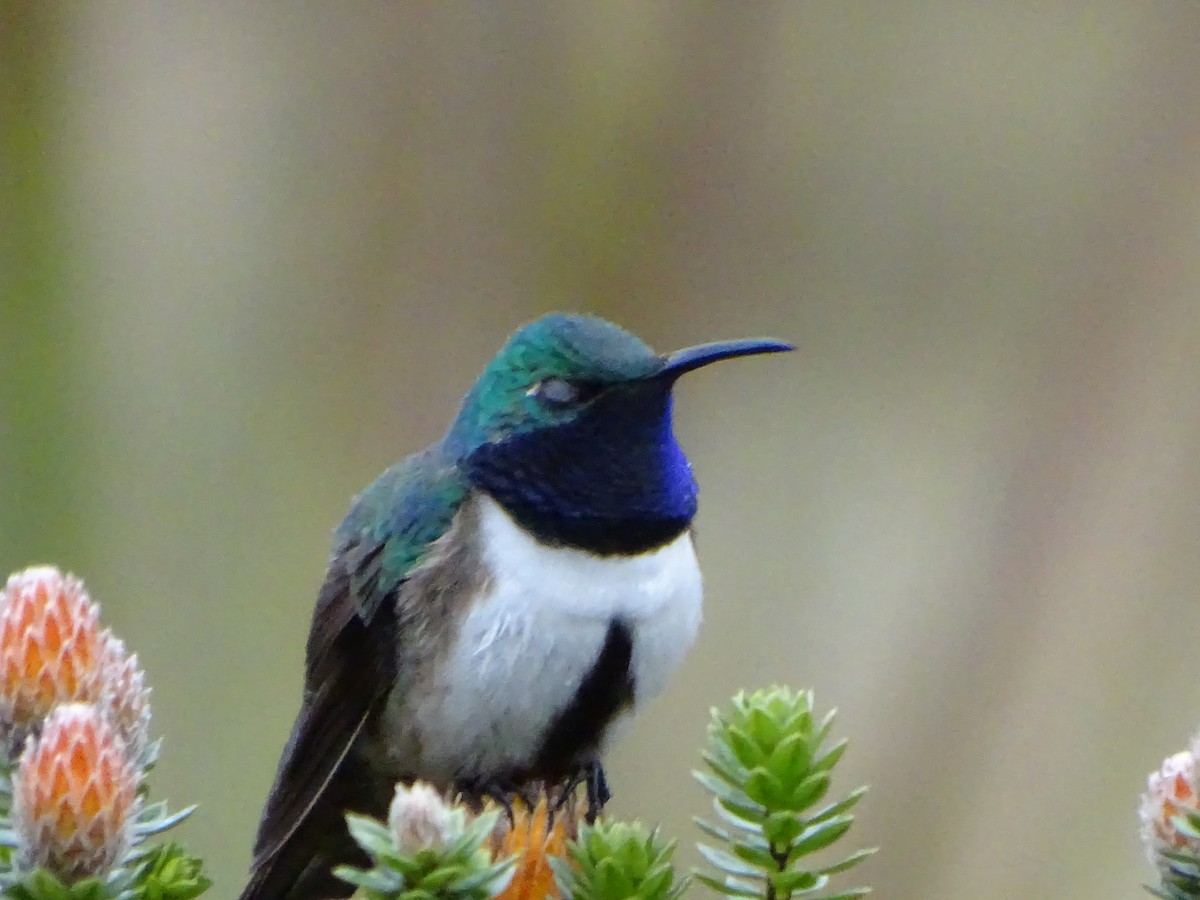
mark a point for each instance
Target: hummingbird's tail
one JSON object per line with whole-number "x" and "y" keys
{"x": 322, "y": 774}
{"x": 300, "y": 867}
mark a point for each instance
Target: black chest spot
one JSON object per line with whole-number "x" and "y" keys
{"x": 607, "y": 689}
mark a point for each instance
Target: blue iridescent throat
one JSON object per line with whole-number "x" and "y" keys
{"x": 613, "y": 481}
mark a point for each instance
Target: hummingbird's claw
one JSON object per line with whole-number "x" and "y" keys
{"x": 474, "y": 791}
{"x": 590, "y": 774}
{"x": 598, "y": 793}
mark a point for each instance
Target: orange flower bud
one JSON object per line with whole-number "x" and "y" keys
{"x": 50, "y": 647}
{"x": 75, "y": 795}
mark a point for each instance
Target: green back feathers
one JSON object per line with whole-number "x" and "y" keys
{"x": 394, "y": 520}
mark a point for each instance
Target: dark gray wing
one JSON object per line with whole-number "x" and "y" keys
{"x": 350, "y": 667}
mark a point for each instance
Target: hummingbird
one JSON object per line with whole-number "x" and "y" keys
{"x": 496, "y": 605}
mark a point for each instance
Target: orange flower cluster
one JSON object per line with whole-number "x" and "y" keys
{"x": 533, "y": 837}
{"x": 75, "y": 795}
{"x": 53, "y": 651}
{"x": 51, "y": 646}
{"x": 78, "y": 705}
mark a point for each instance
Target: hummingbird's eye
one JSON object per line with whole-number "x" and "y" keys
{"x": 559, "y": 392}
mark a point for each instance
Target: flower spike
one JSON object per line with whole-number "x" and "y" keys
{"x": 51, "y": 650}
{"x": 75, "y": 795}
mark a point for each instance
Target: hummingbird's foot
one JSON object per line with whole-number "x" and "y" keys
{"x": 591, "y": 775}
{"x": 475, "y": 791}
{"x": 598, "y": 793}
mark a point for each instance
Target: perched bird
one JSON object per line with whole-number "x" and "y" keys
{"x": 497, "y": 602}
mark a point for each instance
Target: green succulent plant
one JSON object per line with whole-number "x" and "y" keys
{"x": 768, "y": 774}
{"x": 146, "y": 872}
{"x": 461, "y": 869}
{"x": 618, "y": 861}
{"x": 168, "y": 873}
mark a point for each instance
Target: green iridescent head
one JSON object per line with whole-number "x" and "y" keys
{"x": 569, "y": 429}
{"x": 546, "y": 375}
{"x": 551, "y": 371}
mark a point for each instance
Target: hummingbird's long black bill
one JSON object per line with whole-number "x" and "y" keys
{"x": 690, "y": 358}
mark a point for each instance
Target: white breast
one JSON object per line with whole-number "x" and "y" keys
{"x": 525, "y": 647}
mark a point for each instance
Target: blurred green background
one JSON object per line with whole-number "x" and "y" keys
{"x": 250, "y": 254}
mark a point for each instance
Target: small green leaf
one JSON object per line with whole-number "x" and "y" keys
{"x": 732, "y": 798}
{"x": 830, "y": 759}
{"x": 46, "y": 886}
{"x": 808, "y": 791}
{"x": 613, "y": 881}
{"x": 371, "y": 879}
{"x": 1186, "y": 826}
{"x": 841, "y": 806}
{"x": 729, "y": 887}
{"x": 745, "y": 749}
{"x": 789, "y": 882}
{"x": 655, "y": 883}
{"x": 157, "y": 824}
{"x": 763, "y": 729}
{"x": 791, "y": 759}
{"x": 849, "y": 862}
{"x": 713, "y": 830}
{"x": 745, "y": 827}
{"x": 497, "y": 876}
{"x": 850, "y": 895}
{"x": 727, "y": 862}
{"x": 818, "y": 837}
{"x": 721, "y": 760}
{"x": 759, "y": 857}
{"x": 440, "y": 876}
{"x": 369, "y": 834}
{"x": 763, "y": 787}
{"x": 782, "y": 828}
{"x": 822, "y": 732}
